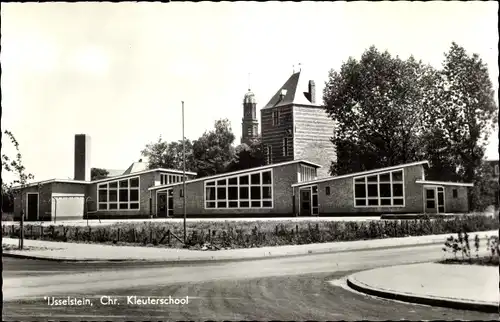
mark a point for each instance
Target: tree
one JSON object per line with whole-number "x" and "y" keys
{"x": 467, "y": 113}
{"x": 162, "y": 154}
{"x": 16, "y": 167}
{"x": 377, "y": 104}
{"x": 213, "y": 151}
{"x": 98, "y": 173}
{"x": 248, "y": 156}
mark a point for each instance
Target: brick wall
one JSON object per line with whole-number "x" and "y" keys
{"x": 313, "y": 131}
{"x": 273, "y": 134}
{"x": 44, "y": 201}
{"x": 459, "y": 204}
{"x": 341, "y": 198}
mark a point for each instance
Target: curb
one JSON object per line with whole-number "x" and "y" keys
{"x": 410, "y": 298}
{"x": 213, "y": 258}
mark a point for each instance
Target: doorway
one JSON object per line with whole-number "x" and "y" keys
{"x": 165, "y": 203}
{"x": 434, "y": 200}
{"x": 309, "y": 201}
{"x": 32, "y": 206}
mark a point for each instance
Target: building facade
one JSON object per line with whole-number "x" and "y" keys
{"x": 295, "y": 127}
{"x": 250, "y": 124}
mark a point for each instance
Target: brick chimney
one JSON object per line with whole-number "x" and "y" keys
{"x": 82, "y": 157}
{"x": 312, "y": 92}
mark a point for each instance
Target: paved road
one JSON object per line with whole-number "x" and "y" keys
{"x": 294, "y": 288}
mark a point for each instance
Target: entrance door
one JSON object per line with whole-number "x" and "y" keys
{"x": 165, "y": 206}
{"x": 32, "y": 205}
{"x": 434, "y": 199}
{"x": 305, "y": 202}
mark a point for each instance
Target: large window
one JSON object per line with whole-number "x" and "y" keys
{"x": 119, "y": 195}
{"x": 249, "y": 190}
{"x": 379, "y": 190}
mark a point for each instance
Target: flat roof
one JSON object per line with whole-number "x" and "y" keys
{"x": 105, "y": 179}
{"x": 355, "y": 174}
{"x": 228, "y": 174}
{"x": 445, "y": 183}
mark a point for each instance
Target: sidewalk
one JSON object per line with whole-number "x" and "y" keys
{"x": 95, "y": 252}
{"x": 468, "y": 287}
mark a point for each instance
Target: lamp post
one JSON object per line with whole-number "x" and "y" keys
{"x": 183, "y": 173}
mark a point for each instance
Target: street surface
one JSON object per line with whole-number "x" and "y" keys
{"x": 294, "y": 288}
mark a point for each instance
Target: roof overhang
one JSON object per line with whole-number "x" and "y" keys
{"x": 305, "y": 183}
{"x": 40, "y": 183}
{"x": 445, "y": 183}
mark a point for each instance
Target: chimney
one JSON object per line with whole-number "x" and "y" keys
{"x": 312, "y": 92}
{"x": 82, "y": 157}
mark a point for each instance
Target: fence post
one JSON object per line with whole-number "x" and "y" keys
{"x": 168, "y": 237}
{"x": 150, "y": 235}
{"x": 90, "y": 233}
{"x": 133, "y": 231}
{"x": 76, "y": 233}
{"x": 118, "y": 235}
{"x": 276, "y": 230}
{"x": 41, "y": 232}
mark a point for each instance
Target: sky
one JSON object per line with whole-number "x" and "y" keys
{"x": 119, "y": 71}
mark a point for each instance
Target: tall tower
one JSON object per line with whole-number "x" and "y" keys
{"x": 296, "y": 127}
{"x": 250, "y": 124}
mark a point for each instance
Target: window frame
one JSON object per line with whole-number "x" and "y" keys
{"x": 232, "y": 203}
{"x": 276, "y": 117}
{"x": 378, "y": 183}
{"x": 117, "y": 204}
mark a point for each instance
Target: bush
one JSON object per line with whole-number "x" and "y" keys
{"x": 256, "y": 234}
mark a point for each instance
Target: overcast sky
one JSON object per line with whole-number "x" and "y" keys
{"x": 119, "y": 71}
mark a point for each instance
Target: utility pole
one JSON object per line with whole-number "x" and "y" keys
{"x": 184, "y": 172}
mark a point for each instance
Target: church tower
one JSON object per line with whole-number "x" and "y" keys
{"x": 250, "y": 124}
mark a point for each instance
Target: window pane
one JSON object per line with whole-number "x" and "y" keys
{"x": 244, "y": 204}
{"x": 134, "y": 182}
{"x": 441, "y": 209}
{"x": 385, "y": 190}
{"x": 327, "y": 191}
{"x": 221, "y": 193}
{"x": 430, "y": 204}
{"x": 210, "y": 183}
{"x": 233, "y": 193}
{"x": 315, "y": 200}
{"x": 372, "y": 202}
{"x": 397, "y": 175}
{"x": 210, "y": 193}
{"x": 397, "y": 189}
{"x": 255, "y": 178}
{"x": 103, "y": 186}
{"x": 398, "y": 202}
{"x": 134, "y": 206}
{"x": 440, "y": 189}
{"x": 221, "y": 182}
{"x": 385, "y": 177}
{"x": 372, "y": 190}
{"x": 256, "y": 204}
{"x": 210, "y": 204}
{"x": 103, "y": 206}
{"x": 243, "y": 192}
{"x": 455, "y": 193}
{"x": 134, "y": 194}
{"x": 266, "y": 177}
{"x": 360, "y": 180}
{"x": 360, "y": 191}
{"x": 221, "y": 204}
{"x": 360, "y": 202}
{"x": 267, "y": 204}
{"x": 113, "y": 195}
{"x": 372, "y": 178}
{"x": 315, "y": 189}
{"x": 103, "y": 195}
{"x": 123, "y": 195}
{"x": 243, "y": 180}
{"x": 123, "y": 206}
{"x": 233, "y": 181}
{"x": 385, "y": 202}
{"x": 255, "y": 193}
{"x": 113, "y": 184}
{"x": 266, "y": 192}
{"x": 113, "y": 206}
{"x": 233, "y": 204}
{"x": 124, "y": 184}
{"x": 429, "y": 193}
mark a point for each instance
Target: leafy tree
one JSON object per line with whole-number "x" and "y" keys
{"x": 213, "y": 151}
{"x": 248, "y": 156}
{"x": 162, "y": 154}
{"x": 377, "y": 103}
{"x": 16, "y": 167}
{"x": 98, "y": 173}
